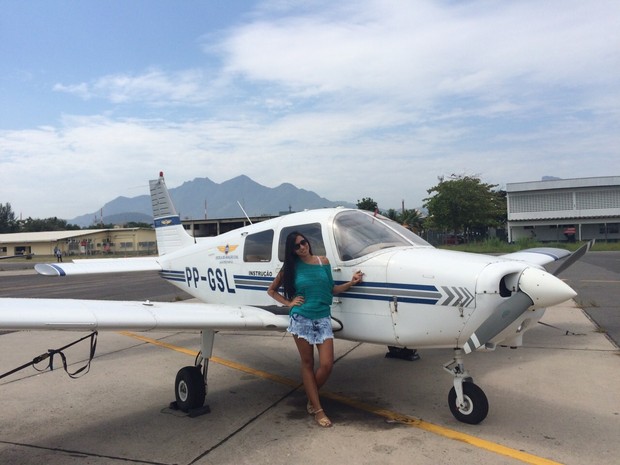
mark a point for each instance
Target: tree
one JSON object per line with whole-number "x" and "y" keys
{"x": 464, "y": 204}
{"x": 8, "y": 222}
{"x": 139, "y": 224}
{"x": 412, "y": 219}
{"x": 46, "y": 224}
{"x": 367, "y": 204}
{"x": 392, "y": 214}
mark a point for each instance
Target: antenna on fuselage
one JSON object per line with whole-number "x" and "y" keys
{"x": 246, "y": 215}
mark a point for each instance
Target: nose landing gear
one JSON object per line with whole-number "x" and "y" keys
{"x": 466, "y": 400}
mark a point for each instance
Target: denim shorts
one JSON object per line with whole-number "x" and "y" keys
{"x": 313, "y": 331}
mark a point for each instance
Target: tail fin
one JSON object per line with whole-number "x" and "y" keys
{"x": 171, "y": 235}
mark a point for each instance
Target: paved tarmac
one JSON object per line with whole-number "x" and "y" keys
{"x": 596, "y": 278}
{"x": 556, "y": 400}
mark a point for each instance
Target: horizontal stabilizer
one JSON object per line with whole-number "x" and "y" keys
{"x": 94, "y": 266}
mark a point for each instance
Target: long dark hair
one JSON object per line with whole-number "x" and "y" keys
{"x": 290, "y": 261}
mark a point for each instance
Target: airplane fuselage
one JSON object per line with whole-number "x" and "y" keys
{"x": 412, "y": 294}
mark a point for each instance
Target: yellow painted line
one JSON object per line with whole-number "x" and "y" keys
{"x": 441, "y": 431}
{"x": 155, "y": 342}
{"x": 388, "y": 414}
{"x": 219, "y": 361}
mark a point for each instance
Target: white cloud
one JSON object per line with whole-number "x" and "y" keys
{"x": 154, "y": 87}
{"x": 420, "y": 49}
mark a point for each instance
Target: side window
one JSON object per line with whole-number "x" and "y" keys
{"x": 258, "y": 247}
{"x": 311, "y": 231}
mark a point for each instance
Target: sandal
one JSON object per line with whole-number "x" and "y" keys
{"x": 323, "y": 422}
{"x": 310, "y": 408}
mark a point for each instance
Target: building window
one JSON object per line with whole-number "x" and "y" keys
{"x": 525, "y": 203}
{"x": 594, "y": 200}
{"x": 610, "y": 228}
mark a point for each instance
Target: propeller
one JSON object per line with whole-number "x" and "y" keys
{"x": 576, "y": 255}
{"x": 536, "y": 289}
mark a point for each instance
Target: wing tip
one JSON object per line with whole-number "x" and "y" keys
{"x": 49, "y": 269}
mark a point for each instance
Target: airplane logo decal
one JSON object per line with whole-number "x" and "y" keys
{"x": 225, "y": 249}
{"x": 168, "y": 221}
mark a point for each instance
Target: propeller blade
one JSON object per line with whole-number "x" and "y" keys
{"x": 576, "y": 255}
{"x": 505, "y": 313}
{"x": 536, "y": 288}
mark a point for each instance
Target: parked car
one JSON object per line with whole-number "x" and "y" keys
{"x": 454, "y": 239}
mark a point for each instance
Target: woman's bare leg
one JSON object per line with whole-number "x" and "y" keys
{"x": 326, "y": 362}
{"x": 306, "y": 353}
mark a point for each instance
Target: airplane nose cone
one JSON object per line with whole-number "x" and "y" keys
{"x": 543, "y": 288}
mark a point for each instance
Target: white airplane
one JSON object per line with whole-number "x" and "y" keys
{"x": 413, "y": 295}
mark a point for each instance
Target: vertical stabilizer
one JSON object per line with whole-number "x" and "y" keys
{"x": 171, "y": 235}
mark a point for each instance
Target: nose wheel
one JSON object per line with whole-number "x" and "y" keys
{"x": 466, "y": 400}
{"x": 474, "y": 406}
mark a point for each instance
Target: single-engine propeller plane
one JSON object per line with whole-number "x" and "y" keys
{"x": 413, "y": 295}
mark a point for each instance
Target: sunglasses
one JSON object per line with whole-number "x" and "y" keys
{"x": 300, "y": 243}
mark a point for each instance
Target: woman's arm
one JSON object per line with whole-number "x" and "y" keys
{"x": 355, "y": 279}
{"x": 274, "y": 294}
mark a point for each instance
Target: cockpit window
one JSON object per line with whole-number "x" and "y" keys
{"x": 258, "y": 247}
{"x": 358, "y": 234}
{"x": 311, "y": 231}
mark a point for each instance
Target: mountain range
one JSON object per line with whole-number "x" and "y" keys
{"x": 202, "y": 198}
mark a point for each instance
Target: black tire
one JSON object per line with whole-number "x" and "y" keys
{"x": 189, "y": 388}
{"x": 476, "y": 404}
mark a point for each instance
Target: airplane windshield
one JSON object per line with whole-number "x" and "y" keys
{"x": 408, "y": 233}
{"x": 358, "y": 234}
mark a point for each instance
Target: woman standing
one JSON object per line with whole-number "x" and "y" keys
{"x": 308, "y": 289}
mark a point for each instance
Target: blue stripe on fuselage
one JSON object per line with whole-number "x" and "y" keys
{"x": 409, "y": 293}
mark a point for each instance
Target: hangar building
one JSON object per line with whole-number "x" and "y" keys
{"x": 124, "y": 241}
{"x": 565, "y": 209}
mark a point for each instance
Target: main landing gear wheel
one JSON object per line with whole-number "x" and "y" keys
{"x": 189, "y": 388}
{"x": 475, "y": 404}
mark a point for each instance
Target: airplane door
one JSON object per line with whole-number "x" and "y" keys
{"x": 412, "y": 301}
{"x": 365, "y": 310}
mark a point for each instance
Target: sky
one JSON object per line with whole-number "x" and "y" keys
{"x": 349, "y": 99}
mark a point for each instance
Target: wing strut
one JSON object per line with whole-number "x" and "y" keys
{"x": 50, "y": 355}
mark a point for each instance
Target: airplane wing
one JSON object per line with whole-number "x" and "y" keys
{"x": 90, "y": 315}
{"x": 543, "y": 255}
{"x": 539, "y": 255}
{"x": 101, "y": 265}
